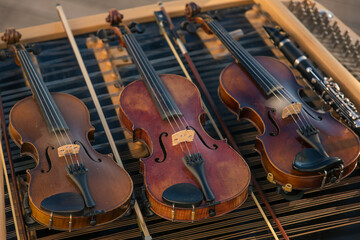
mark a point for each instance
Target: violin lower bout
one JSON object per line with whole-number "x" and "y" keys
{"x": 226, "y": 171}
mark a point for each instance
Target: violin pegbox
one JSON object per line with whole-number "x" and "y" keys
{"x": 117, "y": 28}
{"x": 12, "y": 37}
{"x": 194, "y": 21}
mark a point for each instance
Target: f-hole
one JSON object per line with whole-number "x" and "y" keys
{"x": 48, "y": 159}
{"x": 86, "y": 151}
{"x": 214, "y": 146}
{"x": 270, "y": 112}
{"x": 162, "y": 147}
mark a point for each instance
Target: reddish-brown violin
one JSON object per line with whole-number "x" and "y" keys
{"x": 188, "y": 176}
{"x": 300, "y": 148}
{"x": 72, "y": 185}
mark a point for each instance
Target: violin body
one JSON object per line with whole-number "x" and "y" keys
{"x": 109, "y": 185}
{"x": 227, "y": 173}
{"x": 278, "y": 142}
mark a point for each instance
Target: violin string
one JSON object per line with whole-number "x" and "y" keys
{"x": 27, "y": 63}
{"x": 179, "y": 115}
{"x": 161, "y": 95}
{"x": 160, "y": 87}
{"x": 37, "y": 91}
{"x": 140, "y": 65}
{"x": 47, "y": 100}
{"x": 236, "y": 49}
{"x": 264, "y": 72}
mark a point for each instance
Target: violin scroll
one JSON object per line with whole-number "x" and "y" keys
{"x": 191, "y": 12}
{"x": 11, "y": 36}
{"x": 117, "y": 29}
{"x": 114, "y": 17}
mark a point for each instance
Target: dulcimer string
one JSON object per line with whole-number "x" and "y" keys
{"x": 46, "y": 100}
{"x": 252, "y": 64}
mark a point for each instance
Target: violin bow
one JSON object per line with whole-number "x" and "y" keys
{"x": 12, "y": 172}
{"x": 2, "y": 195}
{"x": 142, "y": 224}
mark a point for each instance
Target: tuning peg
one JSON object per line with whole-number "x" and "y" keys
{"x": 34, "y": 48}
{"x": 106, "y": 35}
{"x": 136, "y": 27}
{"x": 190, "y": 27}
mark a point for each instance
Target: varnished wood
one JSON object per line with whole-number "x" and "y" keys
{"x": 227, "y": 173}
{"x": 244, "y": 97}
{"x": 109, "y": 184}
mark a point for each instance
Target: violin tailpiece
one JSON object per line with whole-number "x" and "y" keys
{"x": 195, "y": 164}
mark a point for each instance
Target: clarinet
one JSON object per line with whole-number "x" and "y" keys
{"x": 325, "y": 87}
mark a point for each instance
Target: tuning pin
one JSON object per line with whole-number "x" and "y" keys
{"x": 34, "y": 48}
{"x": 136, "y": 27}
{"x": 188, "y": 26}
{"x": 291, "y": 5}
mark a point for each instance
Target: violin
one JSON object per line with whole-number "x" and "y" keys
{"x": 188, "y": 175}
{"x": 72, "y": 185}
{"x": 300, "y": 148}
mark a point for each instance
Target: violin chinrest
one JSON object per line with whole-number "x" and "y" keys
{"x": 310, "y": 160}
{"x": 64, "y": 203}
{"x": 184, "y": 195}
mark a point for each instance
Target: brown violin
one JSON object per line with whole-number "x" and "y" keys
{"x": 72, "y": 185}
{"x": 188, "y": 176}
{"x": 299, "y": 147}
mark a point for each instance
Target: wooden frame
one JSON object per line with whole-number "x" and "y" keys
{"x": 93, "y": 23}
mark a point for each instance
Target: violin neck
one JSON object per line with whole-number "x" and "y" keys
{"x": 163, "y": 100}
{"x": 264, "y": 79}
{"x": 46, "y": 103}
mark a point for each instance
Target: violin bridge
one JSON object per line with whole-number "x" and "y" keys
{"x": 68, "y": 149}
{"x": 182, "y": 136}
{"x": 293, "y": 108}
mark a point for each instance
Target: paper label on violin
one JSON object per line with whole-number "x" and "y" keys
{"x": 68, "y": 149}
{"x": 182, "y": 136}
{"x": 293, "y": 108}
